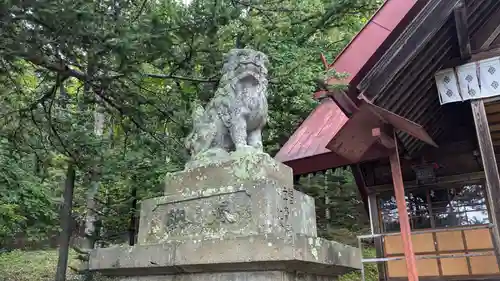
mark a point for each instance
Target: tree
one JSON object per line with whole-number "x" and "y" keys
{"x": 141, "y": 64}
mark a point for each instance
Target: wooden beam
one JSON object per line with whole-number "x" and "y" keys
{"x": 462, "y": 28}
{"x": 492, "y": 36}
{"x": 492, "y": 107}
{"x": 421, "y": 70}
{"x": 360, "y": 182}
{"x": 418, "y": 33}
{"x": 475, "y": 56}
{"x": 376, "y": 228}
{"x": 331, "y": 160}
{"x": 487, "y": 33}
{"x": 400, "y": 123}
{"x": 494, "y": 118}
{"x": 355, "y": 138}
{"x": 494, "y": 128}
{"x": 465, "y": 178}
{"x": 344, "y": 102}
{"x": 404, "y": 222}
{"x": 383, "y": 138}
{"x": 484, "y": 54}
{"x": 492, "y": 99}
{"x": 490, "y": 165}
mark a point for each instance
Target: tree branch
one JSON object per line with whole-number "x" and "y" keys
{"x": 165, "y": 76}
{"x": 51, "y": 125}
{"x": 141, "y": 9}
{"x": 60, "y": 68}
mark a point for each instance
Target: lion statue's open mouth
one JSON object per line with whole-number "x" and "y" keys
{"x": 234, "y": 118}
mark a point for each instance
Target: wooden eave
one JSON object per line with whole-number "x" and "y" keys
{"x": 375, "y": 37}
{"x": 413, "y": 94}
{"x": 305, "y": 148}
{"x": 402, "y": 81}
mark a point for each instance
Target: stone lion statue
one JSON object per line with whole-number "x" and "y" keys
{"x": 233, "y": 120}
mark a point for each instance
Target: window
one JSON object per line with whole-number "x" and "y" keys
{"x": 437, "y": 207}
{"x": 418, "y": 209}
{"x": 389, "y": 212}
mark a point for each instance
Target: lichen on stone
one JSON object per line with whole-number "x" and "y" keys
{"x": 233, "y": 120}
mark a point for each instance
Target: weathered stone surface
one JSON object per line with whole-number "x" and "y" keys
{"x": 246, "y": 195}
{"x": 233, "y": 276}
{"x": 233, "y": 213}
{"x": 269, "y": 252}
{"x": 303, "y": 214}
{"x": 235, "y": 117}
{"x": 264, "y": 206}
{"x": 241, "y": 168}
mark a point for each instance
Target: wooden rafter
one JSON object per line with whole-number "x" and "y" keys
{"x": 409, "y": 185}
{"x": 493, "y": 36}
{"x": 344, "y": 102}
{"x": 462, "y": 28}
{"x": 475, "y": 56}
{"x": 420, "y": 31}
{"x": 489, "y": 32}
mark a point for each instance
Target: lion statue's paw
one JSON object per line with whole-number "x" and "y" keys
{"x": 211, "y": 156}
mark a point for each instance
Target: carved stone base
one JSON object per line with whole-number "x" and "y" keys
{"x": 239, "y": 218}
{"x": 233, "y": 276}
{"x": 264, "y": 207}
{"x": 309, "y": 255}
{"x": 247, "y": 195}
{"x": 241, "y": 169}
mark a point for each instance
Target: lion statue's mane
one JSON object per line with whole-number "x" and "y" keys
{"x": 234, "y": 118}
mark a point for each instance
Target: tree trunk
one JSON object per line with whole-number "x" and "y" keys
{"x": 66, "y": 223}
{"x": 327, "y": 198}
{"x": 92, "y": 216}
{"x": 132, "y": 221}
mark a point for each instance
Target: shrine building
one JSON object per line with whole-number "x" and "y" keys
{"x": 419, "y": 125}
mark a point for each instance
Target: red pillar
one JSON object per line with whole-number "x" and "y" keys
{"x": 397, "y": 179}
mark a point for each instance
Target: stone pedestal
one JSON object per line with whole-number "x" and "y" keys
{"x": 239, "y": 219}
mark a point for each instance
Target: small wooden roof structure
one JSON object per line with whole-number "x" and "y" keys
{"x": 391, "y": 64}
{"x": 391, "y": 107}
{"x": 306, "y": 150}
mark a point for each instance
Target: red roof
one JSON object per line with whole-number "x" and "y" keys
{"x": 364, "y": 45}
{"x": 310, "y": 139}
{"x": 315, "y": 133}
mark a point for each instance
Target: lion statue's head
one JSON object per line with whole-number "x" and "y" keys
{"x": 245, "y": 64}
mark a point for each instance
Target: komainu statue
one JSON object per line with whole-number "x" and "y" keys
{"x": 233, "y": 120}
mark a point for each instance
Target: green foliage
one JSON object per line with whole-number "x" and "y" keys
{"x": 140, "y": 65}
{"x": 32, "y": 266}
{"x": 340, "y": 212}
{"x": 40, "y": 266}
{"x": 371, "y": 271}
{"x": 26, "y": 204}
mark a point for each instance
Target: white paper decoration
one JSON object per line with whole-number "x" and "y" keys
{"x": 447, "y": 85}
{"x": 468, "y": 81}
{"x": 489, "y": 77}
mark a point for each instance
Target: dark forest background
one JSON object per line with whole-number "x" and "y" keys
{"x": 95, "y": 100}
